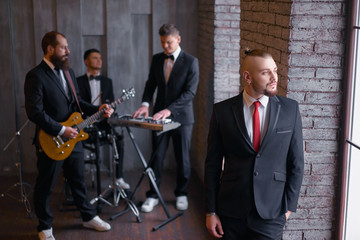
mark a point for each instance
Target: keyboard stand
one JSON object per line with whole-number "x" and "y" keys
{"x": 150, "y": 173}
{"x": 115, "y": 188}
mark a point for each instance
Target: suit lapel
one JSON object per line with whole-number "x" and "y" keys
{"x": 161, "y": 68}
{"x": 275, "y": 108}
{"x": 86, "y": 84}
{"x": 237, "y": 108}
{"x": 177, "y": 65}
{"x": 53, "y": 78}
{"x": 238, "y": 113}
{"x": 69, "y": 88}
{"x": 102, "y": 90}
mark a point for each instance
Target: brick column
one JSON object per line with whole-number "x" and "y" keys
{"x": 218, "y": 53}
{"x": 226, "y": 49}
{"x": 205, "y": 94}
{"x": 316, "y": 46}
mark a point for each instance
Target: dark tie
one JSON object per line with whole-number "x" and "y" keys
{"x": 169, "y": 56}
{"x": 256, "y": 127}
{"x": 94, "y": 78}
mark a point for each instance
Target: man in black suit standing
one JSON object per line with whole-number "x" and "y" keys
{"x": 255, "y": 161}
{"x": 97, "y": 89}
{"x": 175, "y": 75}
{"x": 50, "y": 100}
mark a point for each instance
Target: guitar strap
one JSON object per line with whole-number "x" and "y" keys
{"x": 73, "y": 88}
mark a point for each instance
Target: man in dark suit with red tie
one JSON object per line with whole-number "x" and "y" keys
{"x": 49, "y": 100}
{"x": 255, "y": 161}
{"x": 175, "y": 75}
{"x": 97, "y": 89}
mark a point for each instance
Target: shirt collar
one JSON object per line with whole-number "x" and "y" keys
{"x": 248, "y": 100}
{"x": 49, "y": 63}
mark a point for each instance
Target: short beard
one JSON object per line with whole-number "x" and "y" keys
{"x": 266, "y": 92}
{"x": 59, "y": 63}
{"x": 271, "y": 93}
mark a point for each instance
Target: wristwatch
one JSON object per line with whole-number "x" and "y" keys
{"x": 209, "y": 214}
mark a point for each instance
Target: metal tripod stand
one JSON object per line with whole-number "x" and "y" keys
{"x": 114, "y": 187}
{"x": 23, "y": 185}
{"x": 151, "y": 175}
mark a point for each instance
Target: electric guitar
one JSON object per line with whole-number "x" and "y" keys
{"x": 58, "y": 147}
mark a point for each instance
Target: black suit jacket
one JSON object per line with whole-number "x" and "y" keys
{"x": 46, "y": 102}
{"x": 271, "y": 179}
{"x": 178, "y": 93}
{"x": 106, "y": 86}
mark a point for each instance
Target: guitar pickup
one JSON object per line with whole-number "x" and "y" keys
{"x": 56, "y": 142}
{"x": 60, "y": 139}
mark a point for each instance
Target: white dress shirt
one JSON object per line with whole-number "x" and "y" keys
{"x": 249, "y": 108}
{"x": 95, "y": 89}
{"x": 176, "y": 55}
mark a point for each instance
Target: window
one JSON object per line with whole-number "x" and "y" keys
{"x": 350, "y": 197}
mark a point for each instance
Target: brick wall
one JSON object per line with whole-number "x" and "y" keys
{"x": 205, "y": 94}
{"x": 218, "y": 52}
{"x": 306, "y": 39}
{"x": 316, "y": 47}
{"x": 265, "y": 25}
{"x": 226, "y": 46}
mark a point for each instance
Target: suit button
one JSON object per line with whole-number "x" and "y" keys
{"x": 256, "y": 173}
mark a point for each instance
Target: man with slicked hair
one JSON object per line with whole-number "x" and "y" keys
{"x": 255, "y": 161}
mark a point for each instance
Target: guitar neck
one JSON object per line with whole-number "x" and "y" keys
{"x": 96, "y": 116}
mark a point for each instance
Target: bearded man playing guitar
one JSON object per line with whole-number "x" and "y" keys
{"x": 50, "y": 99}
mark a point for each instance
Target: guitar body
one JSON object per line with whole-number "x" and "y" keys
{"x": 57, "y": 147}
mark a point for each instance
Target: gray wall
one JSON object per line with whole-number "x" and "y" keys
{"x": 125, "y": 31}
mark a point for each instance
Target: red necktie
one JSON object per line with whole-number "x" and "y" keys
{"x": 256, "y": 127}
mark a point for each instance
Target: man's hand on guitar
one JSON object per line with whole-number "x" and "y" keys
{"x": 70, "y": 133}
{"x": 108, "y": 110}
{"x": 59, "y": 148}
{"x": 143, "y": 110}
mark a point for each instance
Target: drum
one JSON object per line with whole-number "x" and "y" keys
{"x": 97, "y": 132}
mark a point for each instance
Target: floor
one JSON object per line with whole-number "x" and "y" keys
{"x": 18, "y": 223}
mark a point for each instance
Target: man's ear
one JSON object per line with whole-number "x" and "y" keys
{"x": 50, "y": 49}
{"x": 246, "y": 76}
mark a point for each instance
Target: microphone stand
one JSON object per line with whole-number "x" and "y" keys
{"x": 23, "y": 194}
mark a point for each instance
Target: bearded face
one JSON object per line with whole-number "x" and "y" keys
{"x": 262, "y": 77}
{"x": 60, "y": 61}
{"x": 271, "y": 90}
{"x": 59, "y": 54}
